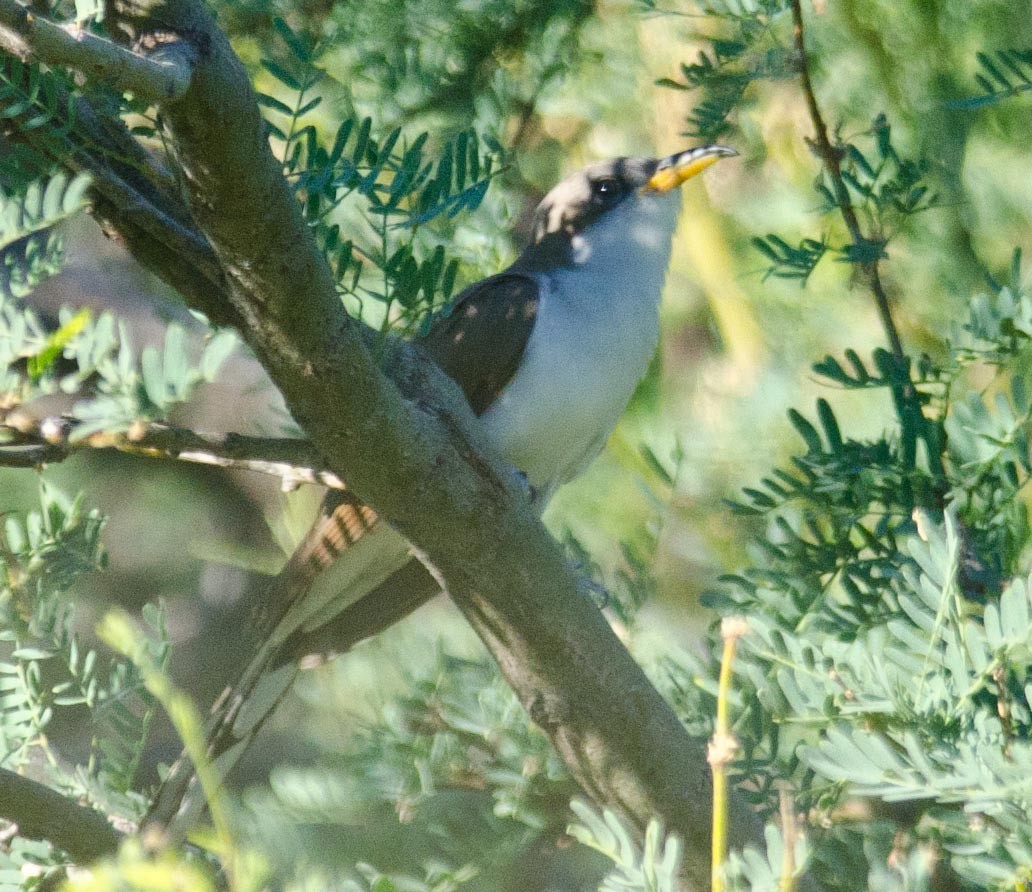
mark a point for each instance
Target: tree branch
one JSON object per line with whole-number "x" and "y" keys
{"x": 162, "y": 75}
{"x": 135, "y": 201}
{"x": 42, "y": 813}
{"x": 907, "y": 402}
{"x": 30, "y": 442}
{"x": 412, "y": 449}
{"x": 831, "y": 157}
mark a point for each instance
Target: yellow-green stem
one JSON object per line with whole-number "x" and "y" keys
{"x": 120, "y": 633}
{"x": 722, "y": 748}
{"x": 787, "y": 882}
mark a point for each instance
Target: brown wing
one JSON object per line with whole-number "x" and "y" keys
{"x": 480, "y": 343}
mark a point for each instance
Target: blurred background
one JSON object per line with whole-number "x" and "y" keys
{"x": 561, "y": 83}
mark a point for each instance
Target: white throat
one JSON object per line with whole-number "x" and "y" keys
{"x": 595, "y": 333}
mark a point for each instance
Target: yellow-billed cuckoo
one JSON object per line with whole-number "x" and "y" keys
{"x": 548, "y": 354}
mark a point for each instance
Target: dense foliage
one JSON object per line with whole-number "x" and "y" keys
{"x": 880, "y": 701}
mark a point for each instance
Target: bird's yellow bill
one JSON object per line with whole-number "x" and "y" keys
{"x": 682, "y": 167}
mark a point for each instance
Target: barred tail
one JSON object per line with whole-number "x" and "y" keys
{"x": 304, "y": 612}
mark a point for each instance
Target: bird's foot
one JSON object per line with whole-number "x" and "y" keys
{"x": 525, "y": 486}
{"x": 588, "y": 585}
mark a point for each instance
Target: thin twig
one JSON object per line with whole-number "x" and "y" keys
{"x": 905, "y": 396}
{"x": 43, "y": 813}
{"x": 831, "y": 156}
{"x": 28, "y": 442}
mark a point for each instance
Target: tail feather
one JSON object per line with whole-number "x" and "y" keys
{"x": 316, "y": 605}
{"x": 391, "y": 601}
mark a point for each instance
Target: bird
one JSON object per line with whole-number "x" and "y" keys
{"x": 548, "y": 353}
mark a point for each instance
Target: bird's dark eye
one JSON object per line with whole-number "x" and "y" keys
{"x": 606, "y": 190}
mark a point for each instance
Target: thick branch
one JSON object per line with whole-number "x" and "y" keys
{"x": 28, "y": 442}
{"x": 135, "y": 200}
{"x": 42, "y": 813}
{"x": 411, "y": 448}
{"x": 162, "y": 75}
{"x": 187, "y": 265}
{"x": 416, "y": 457}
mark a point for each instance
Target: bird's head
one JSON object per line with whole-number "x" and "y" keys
{"x": 626, "y": 201}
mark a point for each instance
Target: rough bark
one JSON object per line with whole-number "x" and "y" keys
{"x": 42, "y": 813}
{"x": 407, "y": 444}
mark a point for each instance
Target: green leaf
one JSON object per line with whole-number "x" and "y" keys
{"x": 281, "y": 74}
{"x": 216, "y": 352}
{"x": 297, "y": 45}
{"x": 42, "y": 361}
{"x": 806, "y": 430}
{"x": 267, "y": 101}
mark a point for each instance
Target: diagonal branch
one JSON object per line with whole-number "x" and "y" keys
{"x": 412, "y": 449}
{"x": 905, "y": 396}
{"x": 30, "y": 442}
{"x": 162, "y": 75}
{"x": 132, "y": 198}
{"x": 42, "y": 813}
{"x": 831, "y": 157}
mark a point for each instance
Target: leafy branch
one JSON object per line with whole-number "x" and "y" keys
{"x": 832, "y": 158}
{"x": 882, "y": 187}
{"x": 888, "y": 640}
{"x": 1003, "y": 74}
{"x": 119, "y": 388}
{"x": 651, "y": 868}
{"x": 866, "y": 249}
{"x": 47, "y": 669}
{"x": 400, "y": 190}
{"x": 731, "y": 62}
{"x": 790, "y": 261}
{"x": 30, "y": 248}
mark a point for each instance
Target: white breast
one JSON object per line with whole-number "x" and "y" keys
{"x": 595, "y": 333}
